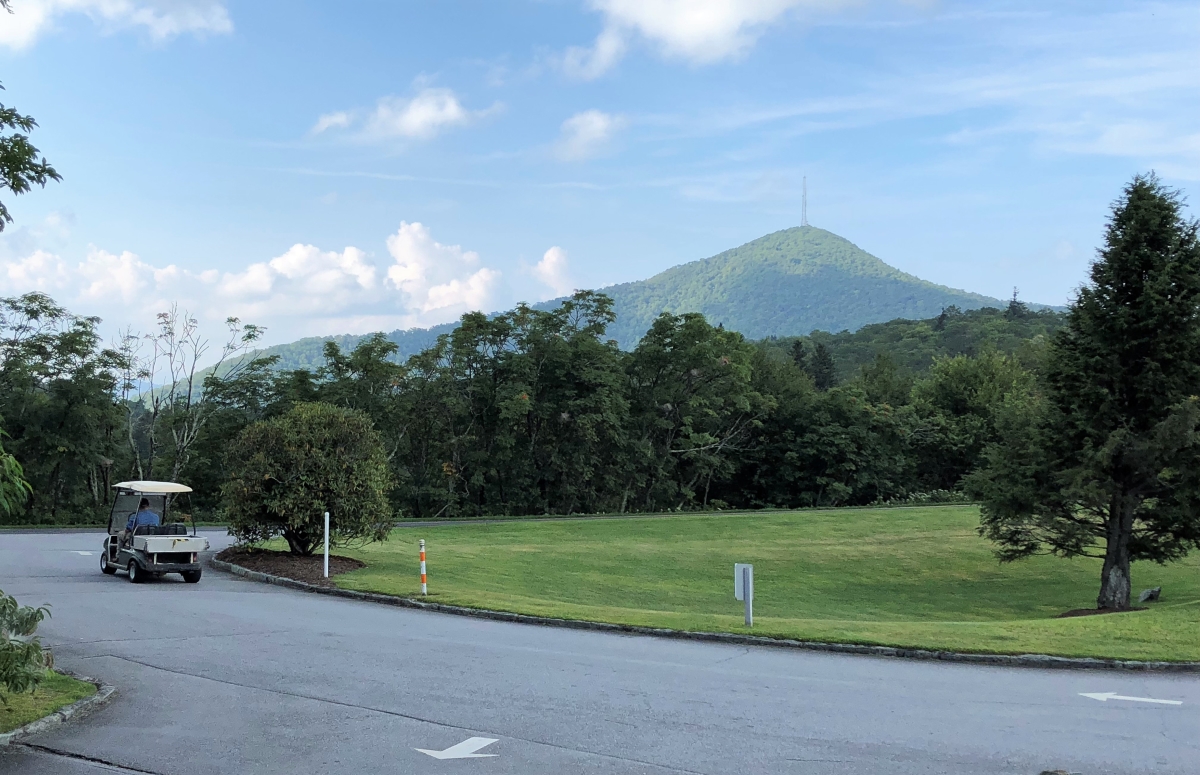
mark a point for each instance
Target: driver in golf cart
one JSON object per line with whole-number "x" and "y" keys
{"x": 143, "y": 516}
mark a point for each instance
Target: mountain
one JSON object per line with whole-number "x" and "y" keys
{"x": 788, "y": 283}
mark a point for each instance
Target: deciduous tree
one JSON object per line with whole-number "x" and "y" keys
{"x": 20, "y": 166}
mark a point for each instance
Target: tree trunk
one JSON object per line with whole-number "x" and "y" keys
{"x": 1114, "y": 577}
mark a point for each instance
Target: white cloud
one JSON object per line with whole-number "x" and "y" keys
{"x": 587, "y": 134}
{"x": 339, "y": 120}
{"x": 162, "y": 19}
{"x": 440, "y": 282}
{"x": 426, "y": 115}
{"x": 589, "y": 63}
{"x": 423, "y": 116}
{"x": 699, "y": 31}
{"x": 552, "y": 271}
{"x": 305, "y": 291}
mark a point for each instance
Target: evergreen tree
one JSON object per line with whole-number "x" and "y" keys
{"x": 1108, "y": 463}
{"x": 1017, "y": 309}
{"x": 799, "y": 356}
{"x": 821, "y": 368}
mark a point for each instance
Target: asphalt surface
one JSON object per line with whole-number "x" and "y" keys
{"x": 231, "y": 676}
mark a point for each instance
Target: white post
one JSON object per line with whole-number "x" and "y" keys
{"x": 424, "y": 586}
{"x": 743, "y": 588}
{"x": 748, "y": 585}
{"x": 327, "y": 544}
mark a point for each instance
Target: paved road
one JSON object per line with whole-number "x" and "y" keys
{"x": 234, "y": 677}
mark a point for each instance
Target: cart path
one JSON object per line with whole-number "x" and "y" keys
{"x": 231, "y": 676}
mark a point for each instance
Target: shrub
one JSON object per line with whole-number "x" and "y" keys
{"x": 23, "y": 662}
{"x": 285, "y": 473}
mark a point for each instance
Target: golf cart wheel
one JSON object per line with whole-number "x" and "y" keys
{"x": 191, "y": 576}
{"x": 136, "y": 574}
{"x": 105, "y": 565}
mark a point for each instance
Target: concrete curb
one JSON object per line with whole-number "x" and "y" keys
{"x": 104, "y": 693}
{"x": 1004, "y": 660}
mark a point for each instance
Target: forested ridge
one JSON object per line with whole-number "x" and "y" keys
{"x": 536, "y": 411}
{"x": 791, "y": 282}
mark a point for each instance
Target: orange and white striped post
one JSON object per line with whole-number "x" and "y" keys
{"x": 424, "y": 585}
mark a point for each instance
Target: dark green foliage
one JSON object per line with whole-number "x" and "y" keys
{"x": 955, "y": 410}
{"x": 693, "y": 407}
{"x": 1108, "y": 463}
{"x": 285, "y": 473}
{"x": 538, "y": 411}
{"x": 913, "y": 345}
{"x": 1016, "y": 309}
{"x": 821, "y": 368}
{"x": 521, "y": 413}
{"x": 20, "y": 167}
{"x": 23, "y": 663}
{"x": 14, "y": 489}
{"x": 57, "y": 386}
{"x": 799, "y": 355}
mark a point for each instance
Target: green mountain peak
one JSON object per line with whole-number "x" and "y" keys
{"x": 788, "y": 283}
{"x": 785, "y": 283}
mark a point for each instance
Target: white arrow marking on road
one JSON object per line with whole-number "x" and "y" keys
{"x": 464, "y": 750}
{"x": 1106, "y": 696}
{"x": 85, "y": 554}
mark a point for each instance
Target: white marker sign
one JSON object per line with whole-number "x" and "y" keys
{"x": 464, "y": 750}
{"x": 743, "y": 588}
{"x": 1106, "y": 696}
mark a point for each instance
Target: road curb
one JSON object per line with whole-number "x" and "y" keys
{"x": 1004, "y": 660}
{"x": 78, "y": 709}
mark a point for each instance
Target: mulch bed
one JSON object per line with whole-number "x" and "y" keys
{"x": 307, "y": 569}
{"x": 1077, "y": 611}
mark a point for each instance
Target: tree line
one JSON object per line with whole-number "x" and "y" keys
{"x": 527, "y": 412}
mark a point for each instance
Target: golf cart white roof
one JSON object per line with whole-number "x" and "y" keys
{"x": 153, "y": 487}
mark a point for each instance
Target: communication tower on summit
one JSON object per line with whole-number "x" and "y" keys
{"x": 804, "y": 203}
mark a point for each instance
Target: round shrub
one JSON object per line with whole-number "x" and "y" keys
{"x": 285, "y": 473}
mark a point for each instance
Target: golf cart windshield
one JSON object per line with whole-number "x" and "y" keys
{"x": 126, "y": 504}
{"x": 130, "y": 494}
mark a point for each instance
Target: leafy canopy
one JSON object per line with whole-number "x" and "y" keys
{"x": 286, "y": 472}
{"x": 23, "y": 662}
{"x": 20, "y": 166}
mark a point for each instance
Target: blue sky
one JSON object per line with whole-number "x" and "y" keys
{"x": 344, "y": 167}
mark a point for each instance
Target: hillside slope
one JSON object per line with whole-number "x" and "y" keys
{"x": 788, "y": 283}
{"x": 791, "y": 282}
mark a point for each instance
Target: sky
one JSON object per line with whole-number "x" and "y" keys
{"x": 322, "y": 168}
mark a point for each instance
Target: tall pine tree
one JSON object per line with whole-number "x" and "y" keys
{"x": 822, "y": 369}
{"x": 1108, "y": 463}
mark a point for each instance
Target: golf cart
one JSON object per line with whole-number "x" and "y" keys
{"x": 151, "y": 550}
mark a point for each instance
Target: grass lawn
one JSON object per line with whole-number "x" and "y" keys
{"x": 917, "y": 577}
{"x": 56, "y": 691}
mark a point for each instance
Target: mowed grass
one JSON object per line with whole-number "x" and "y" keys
{"x": 55, "y": 691}
{"x": 914, "y": 577}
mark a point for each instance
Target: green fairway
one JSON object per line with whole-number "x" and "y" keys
{"x": 56, "y": 691}
{"x": 917, "y": 577}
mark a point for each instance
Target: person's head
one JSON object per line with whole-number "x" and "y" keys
{"x": 145, "y": 504}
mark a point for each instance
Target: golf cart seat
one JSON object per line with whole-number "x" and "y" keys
{"x": 173, "y": 529}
